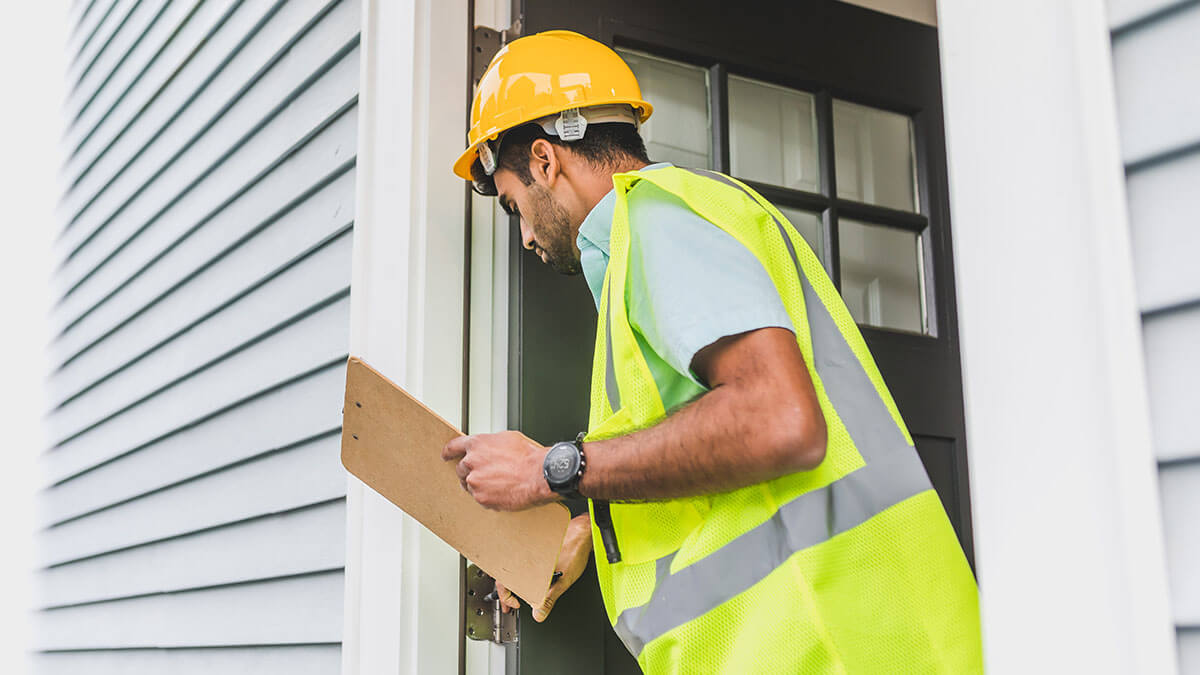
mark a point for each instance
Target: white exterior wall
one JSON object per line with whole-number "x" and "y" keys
{"x": 1064, "y": 493}
{"x": 192, "y": 515}
{"x": 1156, "y": 60}
{"x": 406, "y": 319}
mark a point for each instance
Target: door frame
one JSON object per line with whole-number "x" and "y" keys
{"x": 1058, "y": 229}
{"x": 1099, "y": 592}
{"x": 402, "y": 604}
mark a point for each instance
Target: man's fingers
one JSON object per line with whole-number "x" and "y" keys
{"x": 456, "y": 448}
{"x": 507, "y": 599}
{"x": 556, "y": 589}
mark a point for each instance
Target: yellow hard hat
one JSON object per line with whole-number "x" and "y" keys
{"x": 546, "y": 74}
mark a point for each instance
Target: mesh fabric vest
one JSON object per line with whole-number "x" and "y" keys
{"x": 852, "y": 567}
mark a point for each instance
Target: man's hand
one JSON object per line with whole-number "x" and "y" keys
{"x": 502, "y": 471}
{"x": 572, "y": 560}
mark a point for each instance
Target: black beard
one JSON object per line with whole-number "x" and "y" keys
{"x": 559, "y": 249}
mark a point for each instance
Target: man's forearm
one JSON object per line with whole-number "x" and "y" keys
{"x": 721, "y": 441}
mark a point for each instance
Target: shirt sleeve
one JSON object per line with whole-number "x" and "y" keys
{"x": 690, "y": 282}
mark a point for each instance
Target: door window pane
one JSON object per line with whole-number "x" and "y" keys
{"x": 773, "y": 134}
{"x": 874, "y": 156}
{"x": 809, "y": 226}
{"x": 882, "y": 275}
{"x": 678, "y": 131}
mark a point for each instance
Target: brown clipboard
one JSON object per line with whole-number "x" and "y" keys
{"x": 393, "y": 443}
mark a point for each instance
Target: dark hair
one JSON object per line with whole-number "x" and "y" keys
{"x": 603, "y": 145}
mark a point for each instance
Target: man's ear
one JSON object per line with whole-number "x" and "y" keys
{"x": 544, "y": 162}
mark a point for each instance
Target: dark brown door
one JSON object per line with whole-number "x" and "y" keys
{"x": 834, "y": 113}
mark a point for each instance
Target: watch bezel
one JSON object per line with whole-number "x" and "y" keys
{"x": 557, "y": 450}
{"x": 566, "y": 486}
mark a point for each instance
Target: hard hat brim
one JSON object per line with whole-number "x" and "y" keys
{"x": 462, "y": 166}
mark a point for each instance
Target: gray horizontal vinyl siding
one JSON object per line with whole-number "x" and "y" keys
{"x": 1156, "y": 59}
{"x": 191, "y": 513}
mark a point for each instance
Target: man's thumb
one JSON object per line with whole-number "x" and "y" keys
{"x": 542, "y": 611}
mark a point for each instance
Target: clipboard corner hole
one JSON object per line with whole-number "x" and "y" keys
{"x": 354, "y": 436}
{"x": 357, "y": 404}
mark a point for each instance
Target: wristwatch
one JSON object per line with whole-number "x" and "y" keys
{"x": 563, "y": 467}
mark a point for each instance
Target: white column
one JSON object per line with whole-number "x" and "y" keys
{"x": 1066, "y": 518}
{"x": 401, "y": 612}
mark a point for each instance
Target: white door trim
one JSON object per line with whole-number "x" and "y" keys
{"x": 1066, "y": 517}
{"x": 402, "y": 583}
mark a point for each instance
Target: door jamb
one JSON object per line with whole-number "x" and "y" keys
{"x": 1068, "y": 538}
{"x": 406, "y": 319}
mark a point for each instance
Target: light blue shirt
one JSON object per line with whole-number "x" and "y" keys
{"x": 690, "y": 283}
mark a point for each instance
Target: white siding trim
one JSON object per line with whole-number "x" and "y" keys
{"x": 402, "y": 583}
{"x": 1066, "y": 516}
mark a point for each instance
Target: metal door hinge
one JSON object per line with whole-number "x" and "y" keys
{"x": 485, "y": 42}
{"x": 485, "y": 621}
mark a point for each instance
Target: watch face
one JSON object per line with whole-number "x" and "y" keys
{"x": 562, "y": 462}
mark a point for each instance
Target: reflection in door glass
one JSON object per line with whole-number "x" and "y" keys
{"x": 875, "y": 157}
{"x": 808, "y": 224}
{"x": 678, "y": 131}
{"x": 773, "y": 134}
{"x": 883, "y": 280}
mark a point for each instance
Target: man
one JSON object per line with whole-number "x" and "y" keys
{"x": 755, "y": 494}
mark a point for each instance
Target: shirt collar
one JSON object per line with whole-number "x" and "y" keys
{"x": 596, "y": 229}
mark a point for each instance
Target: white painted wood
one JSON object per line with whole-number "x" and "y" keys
{"x": 200, "y": 501}
{"x": 293, "y": 610}
{"x": 1189, "y": 651}
{"x": 286, "y": 480}
{"x": 307, "y": 408}
{"x": 152, "y": 226}
{"x": 406, "y": 318}
{"x": 311, "y": 342}
{"x": 74, "y": 15}
{"x": 322, "y": 275}
{"x": 1181, "y": 502}
{"x": 160, "y": 45}
{"x": 489, "y": 359}
{"x": 1172, "y": 371}
{"x": 134, "y": 234}
{"x": 117, "y": 53}
{"x": 921, "y": 11}
{"x": 1123, "y": 12}
{"x": 1066, "y": 522}
{"x": 286, "y": 660}
{"x": 153, "y": 304}
{"x": 203, "y": 80}
{"x": 82, "y": 35}
{"x": 1164, "y": 215}
{"x": 295, "y": 542}
{"x": 106, "y": 118}
{"x": 488, "y": 385}
{"x": 96, "y": 46}
{"x": 181, "y": 124}
{"x": 1158, "y": 101}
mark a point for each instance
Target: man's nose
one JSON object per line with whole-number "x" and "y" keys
{"x": 526, "y": 236}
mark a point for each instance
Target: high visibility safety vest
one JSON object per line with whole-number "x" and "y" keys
{"x": 852, "y": 567}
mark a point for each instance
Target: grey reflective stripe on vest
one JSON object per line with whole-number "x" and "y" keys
{"x": 610, "y": 369}
{"x": 892, "y": 474}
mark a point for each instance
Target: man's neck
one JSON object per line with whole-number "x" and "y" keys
{"x": 603, "y": 183}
